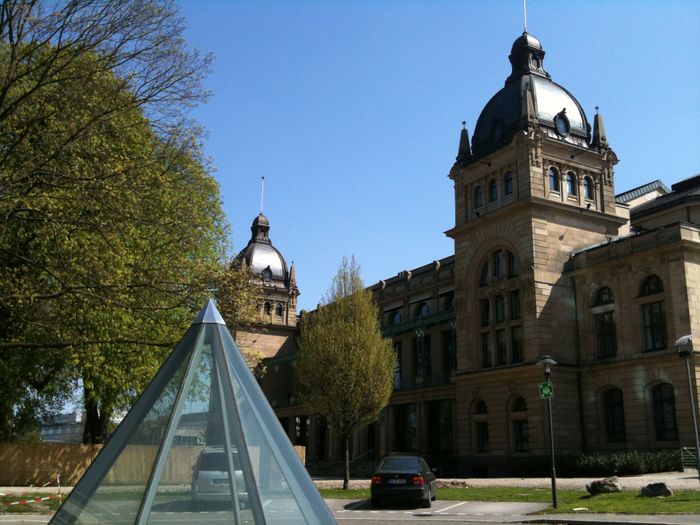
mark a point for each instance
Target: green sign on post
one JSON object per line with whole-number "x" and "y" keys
{"x": 546, "y": 390}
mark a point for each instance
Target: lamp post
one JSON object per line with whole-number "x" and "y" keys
{"x": 546, "y": 392}
{"x": 684, "y": 346}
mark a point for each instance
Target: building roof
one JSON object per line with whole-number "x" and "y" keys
{"x": 681, "y": 192}
{"x": 260, "y": 255}
{"x": 529, "y": 89}
{"x": 635, "y": 193}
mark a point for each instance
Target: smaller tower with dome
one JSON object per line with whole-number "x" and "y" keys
{"x": 278, "y": 302}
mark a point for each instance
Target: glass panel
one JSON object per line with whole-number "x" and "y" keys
{"x": 517, "y": 343}
{"x": 493, "y": 191}
{"x": 484, "y": 311}
{"x": 486, "y": 350}
{"x": 500, "y": 308}
{"x": 501, "y": 348}
{"x": 606, "y": 335}
{"x": 508, "y": 183}
{"x": 515, "y": 305}
{"x": 118, "y": 498}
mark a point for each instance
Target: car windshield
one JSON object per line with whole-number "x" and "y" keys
{"x": 399, "y": 465}
{"x": 216, "y": 461}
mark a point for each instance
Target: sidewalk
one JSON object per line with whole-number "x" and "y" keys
{"x": 687, "y": 480}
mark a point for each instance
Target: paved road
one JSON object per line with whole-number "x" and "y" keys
{"x": 356, "y": 511}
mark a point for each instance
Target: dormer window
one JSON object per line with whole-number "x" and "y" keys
{"x": 478, "y": 197}
{"x": 493, "y": 190}
{"x": 267, "y": 275}
{"x": 508, "y": 183}
{"x": 553, "y": 174}
{"x": 588, "y": 188}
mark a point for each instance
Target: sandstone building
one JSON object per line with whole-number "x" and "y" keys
{"x": 547, "y": 260}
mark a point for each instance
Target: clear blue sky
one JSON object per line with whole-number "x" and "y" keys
{"x": 352, "y": 110}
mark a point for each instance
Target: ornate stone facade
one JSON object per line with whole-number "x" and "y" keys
{"x": 546, "y": 261}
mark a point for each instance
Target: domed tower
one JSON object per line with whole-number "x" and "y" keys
{"x": 278, "y": 303}
{"x": 535, "y": 184}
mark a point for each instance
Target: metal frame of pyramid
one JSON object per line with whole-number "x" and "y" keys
{"x": 203, "y": 407}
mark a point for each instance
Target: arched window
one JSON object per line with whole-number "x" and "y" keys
{"x": 499, "y": 316}
{"x": 651, "y": 285}
{"x": 571, "y": 183}
{"x": 485, "y": 276}
{"x": 588, "y": 188}
{"x": 481, "y": 427}
{"x": 604, "y": 321}
{"x": 478, "y": 197}
{"x": 279, "y": 309}
{"x": 603, "y": 296}
{"x": 493, "y": 190}
{"x": 521, "y": 433}
{"x": 553, "y": 174}
{"x": 664, "y": 407}
{"x": 396, "y": 317}
{"x": 422, "y": 309}
{"x": 614, "y": 416}
{"x": 653, "y": 314}
{"x": 508, "y": 183}
{"x": 267, "y": 308}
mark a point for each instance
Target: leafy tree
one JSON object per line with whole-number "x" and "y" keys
{"x": 111, "y": 228}
{"x": 345, "y": 367}
{"x": 236, "y": 297}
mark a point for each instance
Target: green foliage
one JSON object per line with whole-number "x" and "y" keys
{"x": 345, "y": 367}
{"x": 630, "y": 463}
{"x": 111, "y": 228}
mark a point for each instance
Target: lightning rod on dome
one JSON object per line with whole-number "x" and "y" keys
{"x": 262, "y": 193}
{"x": 525, "y": 15}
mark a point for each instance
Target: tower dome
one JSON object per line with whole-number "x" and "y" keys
{"x": 261, "y": 256}
{"x": 529, "y": 94}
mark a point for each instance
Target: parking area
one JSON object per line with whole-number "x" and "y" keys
{"x": 343, "y": 509}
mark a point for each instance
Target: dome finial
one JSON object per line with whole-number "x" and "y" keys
{"x": 262, "y": 193}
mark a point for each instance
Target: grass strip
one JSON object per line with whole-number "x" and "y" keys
{"x": 625, "y": 502}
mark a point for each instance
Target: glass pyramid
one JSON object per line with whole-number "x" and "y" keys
{"x": 202, "y": 417}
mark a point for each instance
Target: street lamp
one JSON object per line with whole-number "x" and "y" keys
{"x": 546, "y": 392}
{"x": 684, "y": 346}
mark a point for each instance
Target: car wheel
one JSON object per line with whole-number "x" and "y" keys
{"x": 374, "y": 503}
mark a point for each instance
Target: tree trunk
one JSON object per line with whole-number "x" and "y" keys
{"x": 346, "y": 472}
{"x": 96, "y": 421}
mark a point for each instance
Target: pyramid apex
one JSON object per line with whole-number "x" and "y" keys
{"x": 209, "y": 315}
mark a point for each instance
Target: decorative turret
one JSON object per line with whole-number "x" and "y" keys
{"x": 464, "y": 154}
{"x": 266, "y": 263}
{"x": 599, "y": 140}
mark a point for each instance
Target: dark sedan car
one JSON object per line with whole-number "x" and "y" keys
{"x": 401, "y": 479}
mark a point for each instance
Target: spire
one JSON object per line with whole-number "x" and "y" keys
{"x": 292, "y": 275}
{"x": 464, "y": 154}
{"x": 262, "y": 194}
{"x": 599, "y": 138}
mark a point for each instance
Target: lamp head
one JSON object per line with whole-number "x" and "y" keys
{"x": 546, "y": 363}
{"x": 684, "y": 346}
